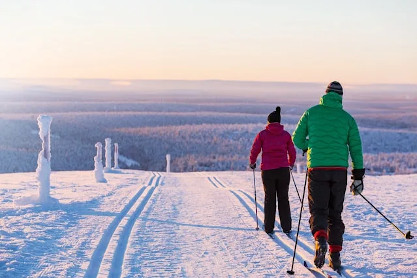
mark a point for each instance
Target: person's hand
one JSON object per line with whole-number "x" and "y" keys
{"x": 252, "y": 166}
{"x": 357, "y": 174}
{"x": 305, "y": 151}
{"x": 357, "y": 185}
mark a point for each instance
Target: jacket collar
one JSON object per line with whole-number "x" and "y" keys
{"x": 275, "y": 128}
{"x": 332, "y": 99}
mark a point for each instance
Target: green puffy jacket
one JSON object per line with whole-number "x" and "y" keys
{"x": 329, "y": 133}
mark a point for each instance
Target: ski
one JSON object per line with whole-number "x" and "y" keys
{"x": 339, "y": 271}
{"x": 323, "y": 272}
{"x": 289, "y": 234}
{"x": 314, "y": 269}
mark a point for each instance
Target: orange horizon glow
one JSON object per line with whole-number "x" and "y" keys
{"x": 370, "y": 42}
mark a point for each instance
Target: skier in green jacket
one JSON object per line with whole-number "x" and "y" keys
{"x": 329, "y": 134}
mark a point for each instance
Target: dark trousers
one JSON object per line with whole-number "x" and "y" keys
{"x": 326, "y": 194}
{"x": 276, "y": 183}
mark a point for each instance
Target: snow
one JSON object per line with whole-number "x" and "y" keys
{"x": 44, "y": 158}
{"x": 43, "y": 171}
{"x": 44, "y": 123}
{"x": 98, "y": 164}
{"x": 200, "y": 224}
{"x": 107, "y": 155}
{"x": 116, "y": 156}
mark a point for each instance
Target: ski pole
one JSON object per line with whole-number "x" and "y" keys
{"x": 291, "y": 272}
{"x": 295, "y": 185}
{"x": 406, "y": 235}
{"x": 256, "y": 204}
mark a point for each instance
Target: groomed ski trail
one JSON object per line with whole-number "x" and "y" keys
{"x": 189, "y": 215}
{"x": 107, "y": 258}
{"x": 305, "y": 250}
{"x": 161, "y": 228}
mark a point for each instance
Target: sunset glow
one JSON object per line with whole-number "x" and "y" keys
{"x": 304, "y": 41}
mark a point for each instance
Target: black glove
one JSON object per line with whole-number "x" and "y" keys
{"x": 252, "y": 166}
{"x": 305, "y": 151}
{"x": 357, "y": 174}
{"x": 357, "y": 185}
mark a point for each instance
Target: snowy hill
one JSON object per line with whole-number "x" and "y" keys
{"x": 202, "y": 224}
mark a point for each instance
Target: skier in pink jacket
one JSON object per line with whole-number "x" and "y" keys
{"x": 278, "y": 157}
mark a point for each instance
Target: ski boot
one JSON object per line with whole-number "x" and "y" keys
{"x": 321, "y": 249}
{"x": 269, "y": 233}
{"x": 334, "y": 260}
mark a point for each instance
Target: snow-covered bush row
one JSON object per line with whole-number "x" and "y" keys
{"x": 376, "y": 140}
{"x": 196, "y": 147}
{"x": 391, "y": 163}
{"x": 220, "y": 147}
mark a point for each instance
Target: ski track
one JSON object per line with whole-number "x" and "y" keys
{"x": 283, "y": 241}
{"x": 165, "y": 220}
{"x": 166, "y": 237}
{"x": 107, "y": 258}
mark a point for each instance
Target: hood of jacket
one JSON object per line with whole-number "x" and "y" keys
{"x": 332, "y": 99}
{"x": 275, "y": 128}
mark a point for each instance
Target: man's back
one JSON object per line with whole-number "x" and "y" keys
{"x": 331, "y": 133}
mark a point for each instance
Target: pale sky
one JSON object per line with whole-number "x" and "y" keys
{"x": 358, "y": 41}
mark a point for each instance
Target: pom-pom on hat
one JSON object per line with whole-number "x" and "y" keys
{"x": 335, "y": 87}
{"x": 275, "y": 117}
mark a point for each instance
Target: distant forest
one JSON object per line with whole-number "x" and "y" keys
{"x": 201, "y": 133}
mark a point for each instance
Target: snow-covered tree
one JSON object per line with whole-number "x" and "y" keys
{"x": 168, "y": 157}
{"x": 116, "y": 156}
{"x": 108, "y": 155}
{"x": 98, "y": 164}
{"x": 43, "y": 172}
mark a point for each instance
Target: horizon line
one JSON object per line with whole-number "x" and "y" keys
{"x": 194, "y": 80}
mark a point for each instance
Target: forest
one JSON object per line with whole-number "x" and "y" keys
{"x": 201, "y": 132}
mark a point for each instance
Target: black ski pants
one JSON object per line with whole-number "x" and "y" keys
{"x": 326, "y": 194}
{"x": 276, "y": 183}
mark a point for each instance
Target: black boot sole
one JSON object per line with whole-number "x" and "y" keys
{"x": 336, "y": 267}
{"x": 320, "y": 257}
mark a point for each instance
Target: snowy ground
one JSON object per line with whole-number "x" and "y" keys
{"x": 149, "y": 224}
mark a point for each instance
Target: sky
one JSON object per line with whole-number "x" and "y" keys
{"x": 356, "y": 42}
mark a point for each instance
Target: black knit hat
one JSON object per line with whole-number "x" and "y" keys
{"x": 335, "y": 87}
{"x": 275, "y": 117}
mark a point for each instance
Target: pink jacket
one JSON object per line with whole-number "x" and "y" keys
{"x": 276, "y": 145}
